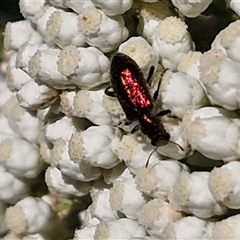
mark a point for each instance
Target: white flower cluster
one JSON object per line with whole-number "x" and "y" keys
{"x": 63, "y": 141}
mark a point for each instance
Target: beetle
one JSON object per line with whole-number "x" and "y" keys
{"x": 129, "y": 86}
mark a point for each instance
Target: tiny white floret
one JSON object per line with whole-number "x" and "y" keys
{"x": 157, "y": 214}
{"x": 191, "y": 8}
{"x": 102, "y": 31}
{"x": 30, "y": 215}
{"x": 123, "y": 228}
{"x": 94, "y": 146}
{"x": 224, "y": 184}
{"x": 88, "y": 104}
{"x": 170, "y": 40}
{"x": 180, "y": 92}
{"x": 214, "y": 132}
{"x": 191, "y": 194}
{"x": 189, "y": 228}
{"x": 126, "y": 198}
{"x": 141, "y": 52}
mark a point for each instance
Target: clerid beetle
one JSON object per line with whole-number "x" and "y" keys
{"x": 129, "y": 86}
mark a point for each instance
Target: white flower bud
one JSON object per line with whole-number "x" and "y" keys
{"x": 224, "y": 184}
{"x": 189, "y": 228}
{"x": 62, "y": 128}
{"x": 214, "y": 132}
{"x": 21, "y": 162}
{"x": 150, "y": 16}
{"x": 21, "y": 121}
{"x": 29, "y": 8}
{"x": 59, "y": 32}
{"x": 41, "y": 20}
{"x": 171, "y": 39}
{"x": 102, "y": 31}
{"x": 34, "y": 96}
{"x": 60, "y": 158}
{"x": 228, "y": 228}
{"x": 100, "y": 207}
{"x": 12, "y": 189}
{"x": 180, "y": 92}
{"x": 15, "y": 76}
{"x": 155, "y": 215}
{"x": 64, "y": 186}
{"x": 215, "y": 68}
{"x": 158, "y": 180}
{"x": 123, "y": 228}
{"x": 189, "y": 64}
{"x": 16, "y": 34}
{"x": 191, "y": 8}
{"x": 228, "y": 41}
{"x": 135, "y": 153}
{"x": 191, "y": 194}
{"x": 126, "y": 198}
{"x": 66, "y": 102}
{"x": 43, "y": 66}
{"x": 235, "y": 6}
{"x": 84, "y": 67}
{"x": 30, "y": 215}
{"x": 88, "y": 104}
{"x": 94, "y": 146}
{"x": 141, "y": 52}
{"x": 25, "y": 52}
{"x": 112, "y": 8}
{"x": 147, "y": 28}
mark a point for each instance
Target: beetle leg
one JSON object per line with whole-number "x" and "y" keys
{"x": 109, "y": 92}
{"x": 150, "y": 74}
{"x": 155, "y": 95}
{"x": 163, "y": 113}
{"x": 135, "y": 128}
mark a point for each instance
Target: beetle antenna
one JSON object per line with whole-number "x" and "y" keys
{"x": 154, "y": 150}
{"x": 177, "y": 145}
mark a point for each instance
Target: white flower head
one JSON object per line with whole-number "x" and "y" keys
{"x": 224, "y": 184}
{"x": 214, "y": 132}
{"x": 180, "y": 92}
{"x": 191, "y": 8}
{"x": 89, "y": 104}
{"x": 171, "y": 39}
{"x": 90, "y": 21}
{"x": 191, "y": 194}
{"x": 94, "y": 146}
{"x": 35, "y": 215}
{"x": 189, "y": 227}
{"x": 141, "y": 52}
{"x": 102, "y": 31}
{"x": 220, "y": 75}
